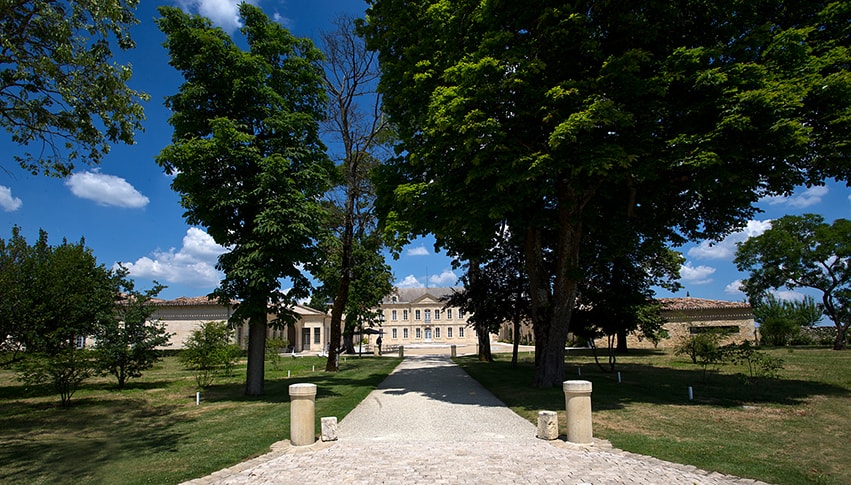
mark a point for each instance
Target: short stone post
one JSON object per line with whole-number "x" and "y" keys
{"x": 401, "y": 351}
{"x": 453, "y": 350}
{"x": 302, "y": 414}
{"x": 329, "y": 428}
{"x": 577, "y": 402}
{"x": 547, "y": 425}
{"x": 375, "y": 350}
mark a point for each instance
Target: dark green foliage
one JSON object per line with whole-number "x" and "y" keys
{"x": 759, "y": 364}
{"x": 54, "y": 297}
{"x": 127, "y": 343}
{"x": 248, "y": 161}
{"x": 702, "y": 349}
{"x": 551, "y": 117}
{"x": 274, "y": 348}
{"x": 61, "y": 93}
{"x": 209, "y": 349}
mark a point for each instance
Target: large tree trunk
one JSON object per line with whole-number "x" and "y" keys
{"x": 622, "y": 347}
{"x": 553, "y": 299}
{"x": 485, "y": 354}
{"x": 342, "y": 298}
{"x": 254, "y": 373}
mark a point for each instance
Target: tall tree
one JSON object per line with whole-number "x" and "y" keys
{"x": 803, "y": 252}
{"x": 61, "y": 94}
{"x": 528, "y": 112}
{"x": 356, "y": 124}
{"x": 248, "y": 160}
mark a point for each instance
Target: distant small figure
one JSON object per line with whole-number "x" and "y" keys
{"x": 378, "y": 342}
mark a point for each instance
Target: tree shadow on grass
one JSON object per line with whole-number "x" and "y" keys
{"x": 44, "y": 443}
{"x": 645, "y": 384}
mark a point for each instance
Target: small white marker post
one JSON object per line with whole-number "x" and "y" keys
{"x": 690, "y": 393}
{"x": 198, "y": 398}
{"x": 619, "y": 377}
{"x": 579, "y": 371}
{"x": 314, "y": 368}
{"x": 288, "y": 374}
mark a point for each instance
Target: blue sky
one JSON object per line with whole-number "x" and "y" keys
{"x": 127, "y": 212}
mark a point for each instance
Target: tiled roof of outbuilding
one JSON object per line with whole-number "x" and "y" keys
{"x": 690, "y": 303}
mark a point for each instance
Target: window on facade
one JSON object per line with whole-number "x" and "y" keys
{"x": 394, "y": 299}
{"x": 460, "y": 314}
{"x": 449, "y": 332}
{"x": 449, "y": 314}
{"x": 317, "y": 335}
{"x": 80, "y": 342}
{"x": 460, "y": 332}
{"x": 416, "y": 314}
{"x": 427, "y": 315}
{"x": 404, "y": 314}
{"x": 436, "y": 331}
{"x": 404, "y": 333}
{"x": 419, "y": 333}
{"x": 395, "y": 333}
{"x": 393, "y": 315}
{"x": 437, "y": 314}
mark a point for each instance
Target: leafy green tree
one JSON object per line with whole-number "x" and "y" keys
{"x": 370, "y": 281}
{"x": 209, "y": 349}
{"x": 526, "y": 112}
{"x": 702, "y": 348}
{"x": 55, "y": 297}
{"x": 803, "y": 252}
{"x": 495, "y": 291}
{"x": 65, "y": 369}
{"x": 128, "y": 343}
{"x": 355, "y": 123}
{"x": 61, "y": 94}
{"x": 248, "y": 161}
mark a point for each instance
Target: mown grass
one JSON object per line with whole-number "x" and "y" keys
{"x": 789, "y": 430}
{"x": 153, "y": 432}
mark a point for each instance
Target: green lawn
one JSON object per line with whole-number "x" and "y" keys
{"x": 153, "y": 432}
{"x": 791, "y": 430}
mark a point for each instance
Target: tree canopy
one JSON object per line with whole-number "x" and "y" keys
{"x": 248, "y": 161}
{"x": 527, "y": 112}
{"x": 803, "y": 252}
{"x": 61, "y": 94}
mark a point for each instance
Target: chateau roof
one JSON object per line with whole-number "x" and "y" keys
{"x": 407, "y": 295}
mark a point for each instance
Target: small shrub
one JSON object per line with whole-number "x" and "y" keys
{"x": 209, "y": 349}
{"x": 759, "y": 364}
{"x": 274, "y": 348}
{"x": 65, "y": 370}
{"x": 702, "y": 348}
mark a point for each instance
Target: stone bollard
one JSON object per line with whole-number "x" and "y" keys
{"x": 577, "y": 403}
{"x": 547, "y": 425}
{"x": 375, "y": 350}
{"x": 329, "y": 428}
{"x": 401, "y": 351}
{"x": 302, "y": 414}
{"x": 453, "y": 350}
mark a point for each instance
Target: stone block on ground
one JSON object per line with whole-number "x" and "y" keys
{"x": 329, "y": 429}
{"x": 547, "y": 425}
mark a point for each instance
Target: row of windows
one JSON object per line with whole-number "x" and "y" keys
{"x": 427, "y": 313}
{"x": 429, "y": 333}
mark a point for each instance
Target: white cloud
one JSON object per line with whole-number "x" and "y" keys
{"x": 447, "y": 278}
{"x": 283, "y": 20}
{"x": 788, "y": 295}
{"x": 7, "y": 202}
{"x": 417, "y": 251}
{"x": 224, "y": 13}
{"x": 194, "y": 264}
{"x": 734, "y": 288}
{"x": 409, "y": 281}
{"x": 696, "y": 276}
{"x": 726, "y": 248}
{"x": 809, "y": 197}
{"x": 106, "y": 190}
